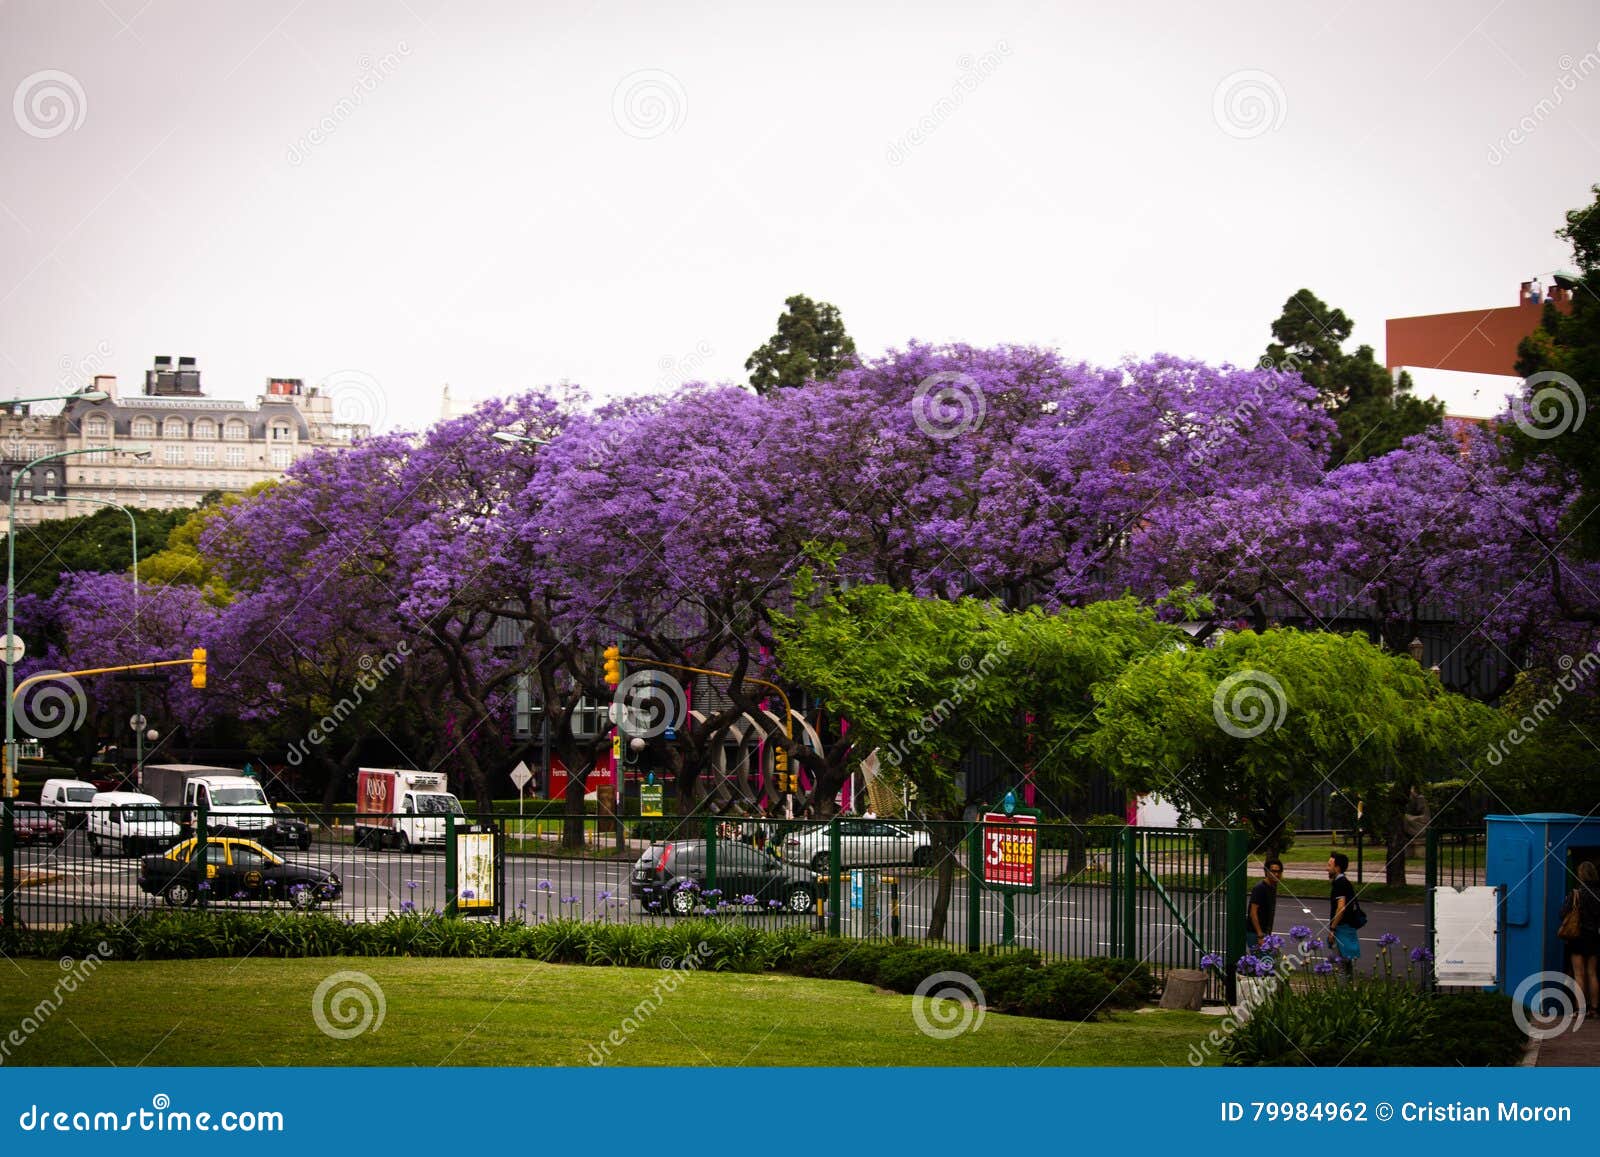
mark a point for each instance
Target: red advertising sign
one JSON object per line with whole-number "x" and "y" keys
{"x": 1011, "y": 851}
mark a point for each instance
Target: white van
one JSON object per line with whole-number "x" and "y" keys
{"x": 129, "y": 822}
{"x": 67, "y": 800}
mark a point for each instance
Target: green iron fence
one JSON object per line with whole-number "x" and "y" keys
{"x": 1163, "y": 896}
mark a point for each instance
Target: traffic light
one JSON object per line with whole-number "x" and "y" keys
{"x": 613, "y": 657}
{"x": 197, "y": 668}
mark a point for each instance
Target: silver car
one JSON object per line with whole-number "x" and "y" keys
{"x": 863, "y": 843}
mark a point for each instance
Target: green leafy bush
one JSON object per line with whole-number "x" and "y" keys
{"x": 904, "y": 971}
{"x": 1375, "y": 1022}
{"x": 1133, "y": 985}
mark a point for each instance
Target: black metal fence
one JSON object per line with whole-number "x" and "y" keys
{"x": 1165, "y": 896}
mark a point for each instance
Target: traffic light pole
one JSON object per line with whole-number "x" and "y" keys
{"x": 197, "y": 664}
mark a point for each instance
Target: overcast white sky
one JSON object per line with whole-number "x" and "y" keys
{"x": 504, "y": 194}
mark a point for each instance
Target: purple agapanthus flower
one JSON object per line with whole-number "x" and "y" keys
{"x": 1315, "y": 944}
{"x": 544, "y": 885}
{"x": 747, "y": 899}
{"x": 1322, "y": 968}
{"x": 468, "y": 894}
{"x": 1272, "y": 942}
{"x": 408, "y": 906}
{"x": 603, "y": 894}
{"x": 412, "y": 884}
{"x": 1248, "y": 964}
{"x": 1300, "y": 932}
{"x": 1421, "y": 955}
{"x": 1211, "y": 960}
{"x": 774, "y": 903}
{"x": 1387, "y": 939}
{"x": 569, "y": 899}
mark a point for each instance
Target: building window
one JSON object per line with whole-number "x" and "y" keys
{"x": 235, "y": 430}
{"x": 205, "y": 428}
{"x": 280, "y": 432}
{"x": 173, "y": 428}
{"x": 172, "y": 455}
{"x": 204, "y": 455}
{"x": 280, "y": 457}
{"x": 143, "y": 428}
{"x": 96, "y": 426}
{"x": 235, "y": 455}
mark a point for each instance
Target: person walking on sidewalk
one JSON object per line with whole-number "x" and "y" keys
{"x": 1584, "y": 952}
{"x": 1342, "y": 938}
{"x": 1263, "y": 905}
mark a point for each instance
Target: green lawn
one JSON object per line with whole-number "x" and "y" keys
{"x": 508, "y": 1012}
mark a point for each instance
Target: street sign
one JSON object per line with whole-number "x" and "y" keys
{"x": 12, "y": 649}
{"x": 137, "y": 722}
{"x": 650, "y": 799}
{"x": 1011, "y": 850}
{"x": 521, "y": 776}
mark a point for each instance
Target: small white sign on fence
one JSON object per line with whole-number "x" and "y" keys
{"x": 1466, "y": 935}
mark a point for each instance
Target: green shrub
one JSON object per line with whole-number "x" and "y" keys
{"x": 1064, "y": 991}
{"x": 1133, "y": 985}
{"x": 1378, "y": 1023}
{"x": 906, "y": 970}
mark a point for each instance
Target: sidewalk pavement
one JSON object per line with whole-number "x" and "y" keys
{"x": 1575, "y": 1049}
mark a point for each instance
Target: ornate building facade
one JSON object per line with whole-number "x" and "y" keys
{"x": 197, "y": 444}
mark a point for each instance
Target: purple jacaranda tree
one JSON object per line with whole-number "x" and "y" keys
{"x": 102, "y": 620}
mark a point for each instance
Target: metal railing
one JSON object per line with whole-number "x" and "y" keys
{"x": 1163, "y": 896}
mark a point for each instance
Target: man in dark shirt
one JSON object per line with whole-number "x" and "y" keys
{"x": 1263, "y": 905}
{"x": 1342, "y": 938}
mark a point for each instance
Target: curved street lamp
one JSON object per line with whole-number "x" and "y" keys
{"x": 8, "y": 787}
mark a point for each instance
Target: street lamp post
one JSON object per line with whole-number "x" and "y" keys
{"x": 11, "y": 656}
{"x": 133, "y": 530}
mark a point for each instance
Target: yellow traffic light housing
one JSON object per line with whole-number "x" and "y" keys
{"x": 197, "y": 668}
{"x": 613, "y": 668}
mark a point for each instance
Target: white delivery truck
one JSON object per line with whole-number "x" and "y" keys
{"x": 402, "y": 809}
{"x": 235, "y": 804}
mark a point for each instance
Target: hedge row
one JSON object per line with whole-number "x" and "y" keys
{"x": 1019, "y": 982}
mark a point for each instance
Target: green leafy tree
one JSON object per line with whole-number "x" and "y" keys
{"x": 101, "y": 542}
{"x": 1373, "y": 411}
{"x": 811, "y": 345}
{"x": 1569, "y": 344}
{"x": 1241, "y": 732}
{"x": 925, "y": 681}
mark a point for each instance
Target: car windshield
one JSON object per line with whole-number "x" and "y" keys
{"x": 437, "y": 803}
{"x": 143, "y": 813}
{"x": 80, "y": 794}
{"x": 238, "y": 797}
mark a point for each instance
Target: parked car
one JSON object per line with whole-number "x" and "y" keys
{"x": 290, "y": 831}
{"x": 33, "y": 825}
{"x": 231, "y": 868}
{"x": 129, "y": 822}
{"x": 68, "y": 800}
{"x": 863, "y": 843}
{"x": 671, "y": 877}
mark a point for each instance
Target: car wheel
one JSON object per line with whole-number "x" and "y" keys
{"x": 178, "y": 894}
{"x": 304, "y": 843}
{"x": 819, "y": 863}
{"x": 799, "y": 900}
{"x": 127, "y": 846}
{"x": 403, "y": 843}
{"x": 94, "y": 845}
{"x": 922, "y": 857}
{"x": 682, "y": 902}
{"x": 305, "y": 899}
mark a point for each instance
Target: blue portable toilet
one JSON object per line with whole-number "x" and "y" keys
{"x": 1535, "y": 859}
